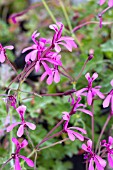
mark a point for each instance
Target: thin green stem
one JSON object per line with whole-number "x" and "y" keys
{"x": 68, "y": 22}
{"x": 84, "y": 66}
{"x": 49, "y": 11}
{"x": 53, "y": 144}
{"x": 103, "y": 129}
{"x": 11, "y": 143}
{"x": 92, "y": 123}
{"x": 29, "y": 138}
{"x": 35, "y": 161}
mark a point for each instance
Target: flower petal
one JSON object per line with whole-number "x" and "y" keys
{"x": 110, "y": 3}
{"x": 85, "y": 148}
{"x": 106, "y": 101}
{"x": 89, "y": 97}
{"x": 89, "y": 143}
{"x": 17, "y": 164}
{"x": 21, "y": 110}
{"x": 9, "y": 47}
{"x": 15, "y": 141}
{"x": 27, "y": 160}
{"x": 56, "y": 76}
{"x": 102, "y": 2}
{"x": 78, "y": 93}
{"x": 31, "y": 125}
{"x": 110, "y": 160}
{"x": 85, "y": 111}
{"x": 20, "y": 131}
{"x": 9, "y": 128}
{"x": 91, "y": 165}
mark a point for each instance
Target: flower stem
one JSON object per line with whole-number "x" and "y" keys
{"x": 11, "y": 144}
{"x": 53, "y": 144}
{"x": 29, "y": 138}
{"x": 84, "y": 66}
{"x": 5, "y": 163}
{"x": 68, "y": 22}
{"x": 49, "y": 11}
{"x": 103, "y": 129}
{"x": 92, "y": 123}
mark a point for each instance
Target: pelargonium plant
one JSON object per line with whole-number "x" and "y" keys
{"x": 46, "y": 53}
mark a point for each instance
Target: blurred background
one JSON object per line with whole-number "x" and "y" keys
{"x": 47, "y": 111}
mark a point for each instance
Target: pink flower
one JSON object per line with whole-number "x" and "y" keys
{"x": 10, "y": 101}
{"x": 21, "y": 110}
{"x": 109, "y": 99}
{"x": 109, "y": 150}
{"x": 90, "y": 91}
{"x": 58, "y": 39}
{"x": 110, "y": 2}
{"x": 92, "y": 157}
{"x": 72, "y": 134}
{"x": 3, "y": 52}
{"x": 36, "y": 54}
{"x": 52, "y": 76}
{"x": 75, "y": 135}
{"x": 16, "y": 156}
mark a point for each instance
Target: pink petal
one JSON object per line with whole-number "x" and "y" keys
{"x": 37, "y": 66}
{"x": 91, "y": 165}
{"x": 20, "y": 131}
{"x": 32, "y": 55}
{"x": 15, "y": 141}
{"x": 21, "y": 109}
{"x": 111, "y": 83}
{"x": 98, "y": 165}
{"x": 86, "y": 111}
{"x": 49, "y": 80}
{"x": 27, "y": 160}
{"x": 97, "y": 91}
{"x": 17, "y": 164}
{"x": 46, "y": 67}
{"x": 71, "y": 136}
{"x": 66, "y": 116}
{"x": 89, "y": 98}
{"x": 9, "y": 128}
{"x": 51, "y": 61}
{"x": 68, "y": 46}
{"x": 112, "y": 103}
{"x": 56, "y": 77}
{"x": 110, "y": 3}
{"x": 101, "y": 161}
{"x": 57, "y": 48}
{"x": 24, "y": 143}
{"x": 2, "y": 57}
{"x": 43, "y": 76}
{"x": 87, "y": 76}
{"x": 94, "y": 76}
{"x": 85, "y": 148}
{"x": 106, "y": 101}
{"x": 110, "y": 160}
{"x": 80, "y": 129}
{"x": 27, "y": 48}
{"x": 31, "y": 125}
{"x": 78, "y": 93}
{"x": 110, "y": 140}
{"x": 65, "y": 38}
{"x": 102, "y": 2}
{"x": 9, "y": 47}
{"x": 54, "y": 27}
{"x": 89, "y": 143}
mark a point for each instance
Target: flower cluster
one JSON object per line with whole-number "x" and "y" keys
{"x": 46, "y": 56}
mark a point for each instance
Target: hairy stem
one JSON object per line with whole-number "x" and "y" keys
{"x": 103, "y": 129}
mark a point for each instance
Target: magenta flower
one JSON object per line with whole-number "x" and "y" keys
{"x": 10, "y": 101}
{"x": 58, "y": 39}
{"x": 77, "y": 107}
{"x": 109, "y": 150}
{"x": 109, "y": 99}
{"x": 72, "y": 134}
{"x": 16, "y": 156}
{"x": 92, "y": 157}
{"x": 110, "y": 2}
{"x": 90, "y": 91}
{"x": 36, "y": 54}
{"x": 21, "y": 110}
{"x": 3, "y": 52}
